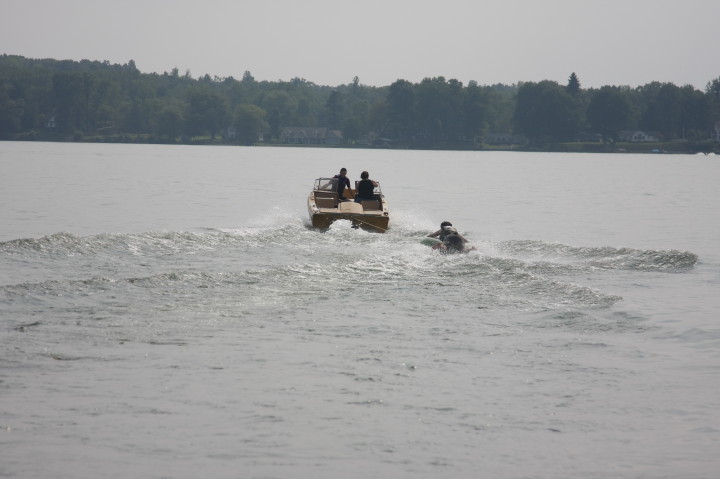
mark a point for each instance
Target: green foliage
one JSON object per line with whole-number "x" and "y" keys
{"x": 11, "y": 113}
{"x": 546, "y": 112}
{"x": 609, "y": 111}
{"x": 169, "y": 120}
{"x": 573, "y": 86}
{"x": 206, "y": 112}
{"x": 334, "y": 110}
{"x": 400, "y": 113}
{"x": 92, "y": 101}
{"x": 249, "y": 123}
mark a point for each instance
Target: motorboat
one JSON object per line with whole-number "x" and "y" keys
{"x": 325, "y": 207}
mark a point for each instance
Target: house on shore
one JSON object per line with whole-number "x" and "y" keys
{"x": 639, "y": 136}
{"x": 715, "y": 134}
{"x": 503, "y": 139}
{"x": 310, "y": 136}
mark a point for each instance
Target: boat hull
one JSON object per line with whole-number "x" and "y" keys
{"x": 321, "y": 217}
{"x": 323, "y": 220}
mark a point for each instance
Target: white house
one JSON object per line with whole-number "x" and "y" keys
{"x": 310, "y": 136}
{"x": 639, "y": 136}
{"x": 229, "y": 133}
{"x": 503, "y": 139}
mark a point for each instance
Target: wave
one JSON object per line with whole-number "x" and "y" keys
{"x": 287, "y": 263}
{"x": 605, "y": 257}
{"x": 552, "y": 255}
{"x": 149, "y": 244}
{"x": 341, "y": 240}
{"x": 404, "y": 275}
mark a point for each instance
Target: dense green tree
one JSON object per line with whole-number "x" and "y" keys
{"x": 377, "y": 117}
{"x": 400, "y": 109}
{"x": 545, "y": 112}
{"x": 500, "y": 100}
{"x": 573, "y": 86}
{"x": 250, "y": 123}
{"x": 352, "y": 129}
{"x": 69, "y": 100}
{"x": 677, "y": 113}
{"x": 304, "y": 114}
{"x": 475, "y": 111}
{"x": 438, "y": 110}
{"x": 280, "y": 107}
{"x": 11, "y": 114}
{"x": 206, "y": 112}
{"x": 334, "y": 109}
{"x": 712, "y": 93}
{"x": 25, "y": 94}
{"x": 169, "y": 123}
{"x": 135, "y": 116}
{"x": 663, "y": 111}
{"x": 96, "y": 99}
{"x": 696, "y": 114}
{"x": 355, "y": 126}
{"x": 609, "y": 111}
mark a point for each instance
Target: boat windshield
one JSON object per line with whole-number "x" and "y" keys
{"x": 331, "y": 184}
{"x": 326, "y": 184}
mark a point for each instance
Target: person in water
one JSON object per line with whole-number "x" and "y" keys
{"x": 366, "y": 188}
{"x": 437, "y": 234}
{"x": 446, "y": 228}
{"x": 453, "y": 243}
{"x": 343, "y": 182}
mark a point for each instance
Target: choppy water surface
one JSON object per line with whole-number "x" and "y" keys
{"x": 167, "y": 312}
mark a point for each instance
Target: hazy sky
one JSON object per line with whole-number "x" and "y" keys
{"x": 328, "y": 42}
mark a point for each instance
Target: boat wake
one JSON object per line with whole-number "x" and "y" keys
{"x": 605, "y": 257}
{"x": 288, "y": 265}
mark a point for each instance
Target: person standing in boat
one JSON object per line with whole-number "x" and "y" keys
{"x": 366, "y": 188}
{"x": 343, "y": 182}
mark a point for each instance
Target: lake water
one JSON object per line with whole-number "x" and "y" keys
{"x": 166, "y": 311}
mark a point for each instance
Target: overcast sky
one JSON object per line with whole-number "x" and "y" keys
{"x": 328, "y": 42}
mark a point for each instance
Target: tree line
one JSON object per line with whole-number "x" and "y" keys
{"x": 64, "y": 99}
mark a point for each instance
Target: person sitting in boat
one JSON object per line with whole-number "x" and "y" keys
{"x": 343, "y": 182}
{"x": 446, "y": 228}
{"x": 366, "y": 188}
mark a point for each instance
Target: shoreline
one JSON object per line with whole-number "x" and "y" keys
{"x": 675, "y": 147}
